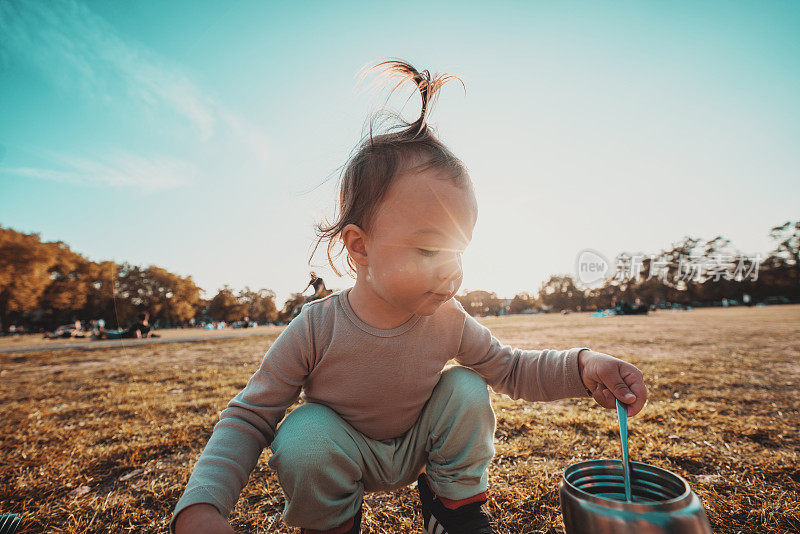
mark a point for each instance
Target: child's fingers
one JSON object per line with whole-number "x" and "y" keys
{"x": 623, "y": 392}
{"x": 603, "y": 396}
{"x": 624, "y": 382}
{"x": 635, "y": 381}
{"x": 614, "y": 379}
{"x": 640, "y": 391}
{"x": 607, "y": 399}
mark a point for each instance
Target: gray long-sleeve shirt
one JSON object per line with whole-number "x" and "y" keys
{"x": 377, "y": 380}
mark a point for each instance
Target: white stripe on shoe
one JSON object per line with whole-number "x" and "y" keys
{"x": 434, "y": 527}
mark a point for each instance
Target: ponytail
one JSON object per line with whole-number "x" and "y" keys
{"x": 427, "y": 85}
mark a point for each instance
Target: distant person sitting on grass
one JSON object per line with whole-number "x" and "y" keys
{"x": 140, "y": 330}
{"x": 381, "y": 411}
{"x": 67, "y": 331}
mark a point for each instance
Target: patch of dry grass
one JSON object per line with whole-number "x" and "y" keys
{"x": 38, "y": 341}
{"x": 105, "y": 440}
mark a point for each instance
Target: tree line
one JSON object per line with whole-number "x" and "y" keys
{"x": 691, "y": 272}
{"x": 46, "y": 284}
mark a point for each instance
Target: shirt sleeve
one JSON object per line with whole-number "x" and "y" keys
{"x": 250, "y": 421}
{"x": 532, "y": 375}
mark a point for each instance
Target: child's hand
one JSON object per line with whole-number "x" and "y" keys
{"x": 609, "y": 378}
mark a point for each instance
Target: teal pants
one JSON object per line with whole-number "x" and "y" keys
{"x": 324, "y": 465}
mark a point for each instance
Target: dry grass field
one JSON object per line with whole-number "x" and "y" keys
{"x": 105, "y": 440}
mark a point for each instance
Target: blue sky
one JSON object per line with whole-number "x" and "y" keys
{"x": 204, "y": 137}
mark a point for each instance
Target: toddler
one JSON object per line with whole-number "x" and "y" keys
{"x": 380, "y": 409}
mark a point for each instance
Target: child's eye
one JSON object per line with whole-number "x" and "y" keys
{"x": 428, "y": 253}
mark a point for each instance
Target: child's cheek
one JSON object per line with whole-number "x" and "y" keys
{"x": 411, "y": 267}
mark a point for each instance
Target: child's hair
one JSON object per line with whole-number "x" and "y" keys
{"x": 369, "y": 172}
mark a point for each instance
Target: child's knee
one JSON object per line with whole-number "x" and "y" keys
{"x": 466, "y": 388}
{"x": 310, "y": 438}
{"x": 304, "y": 434}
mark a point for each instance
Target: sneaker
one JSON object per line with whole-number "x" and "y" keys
{"x": 354, "y": 529}
{"x": 472, "y": 518}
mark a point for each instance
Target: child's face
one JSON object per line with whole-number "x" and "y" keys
{"x": 416, "y": 240}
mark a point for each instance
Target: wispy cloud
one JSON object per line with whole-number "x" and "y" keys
{"x": 80, "y": 52}
{"x": 114, "y": 169}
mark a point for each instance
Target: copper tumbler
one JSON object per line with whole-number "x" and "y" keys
{"x": 593, "y": 501}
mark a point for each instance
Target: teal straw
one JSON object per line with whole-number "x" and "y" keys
{"x": 622, "y": 416}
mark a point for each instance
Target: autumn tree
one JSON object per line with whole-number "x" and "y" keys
{"x": 479, "y": 302}
{"x": 561, "y": 292}
{"x": 71, "y": 279}
{"x": 260, "y": 304}
{"x": 601, "y": 297}
{"x": 173, "y": 296}
{"x": 787, "y": 251}
{"x": 24, "y": 273}
{"x": 100, "y": 295}
{"x": 521, "y": 302}
{"x": 165, "y": 296}
{"x": 226, "y": 306}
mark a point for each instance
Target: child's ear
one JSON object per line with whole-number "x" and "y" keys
{"x": 355, "y": 240}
